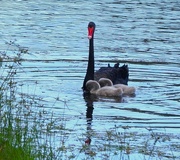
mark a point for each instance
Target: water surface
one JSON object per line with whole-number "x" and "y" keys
{"x": 145, "y": 35}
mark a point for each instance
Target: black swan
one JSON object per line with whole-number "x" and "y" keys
{"x": 118, "y": 75}
{"x": 108, "y": 91}
{"x": 127, "y": 90}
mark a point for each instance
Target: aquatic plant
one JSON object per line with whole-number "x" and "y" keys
{"x": 11, "y": 133}
{"x": 27, "y": 131}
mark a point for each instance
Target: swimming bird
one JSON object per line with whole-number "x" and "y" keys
{"x": 117, "y": 74}
{"x": 108, "y": 91}
{"x": 105, "y": 82}
{"x": 127, "y": 90}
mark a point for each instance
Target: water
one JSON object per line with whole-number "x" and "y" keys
{"x": 145, "y": 35}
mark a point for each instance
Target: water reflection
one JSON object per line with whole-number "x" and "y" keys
{"x": 90, "y": 99}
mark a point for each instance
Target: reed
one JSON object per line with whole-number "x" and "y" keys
{"x": 21, "y": 127}
{"x": 14, "y": 140}
{"x": 27, "y": 131}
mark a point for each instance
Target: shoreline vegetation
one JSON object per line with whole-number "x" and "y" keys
{"x": 28, "y": 132}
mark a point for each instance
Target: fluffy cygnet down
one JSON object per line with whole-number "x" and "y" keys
{"x": 108, "y": 91}
{"x": 126, "y": 89}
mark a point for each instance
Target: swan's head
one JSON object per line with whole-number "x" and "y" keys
{"x": 92, "y": 86}
{"x": 91, "y": 29}
{"x": 105, "y": 82}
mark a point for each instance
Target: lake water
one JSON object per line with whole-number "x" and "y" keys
{"x": 143, "y": 34}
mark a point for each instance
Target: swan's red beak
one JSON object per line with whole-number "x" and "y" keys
{"x": 90, "y": 32}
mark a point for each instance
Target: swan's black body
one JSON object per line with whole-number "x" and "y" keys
{"x": 118, "y": 75}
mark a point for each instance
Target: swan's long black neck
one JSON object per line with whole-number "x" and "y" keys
{"x": 90, "y": 67}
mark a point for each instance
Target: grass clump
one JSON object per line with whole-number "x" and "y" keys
{"x": 22, "y": 123}
{"x": 14, "y": 140}
{"x": 27, "y": 131}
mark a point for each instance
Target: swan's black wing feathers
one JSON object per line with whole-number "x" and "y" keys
{"x": 118, "y": 75}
